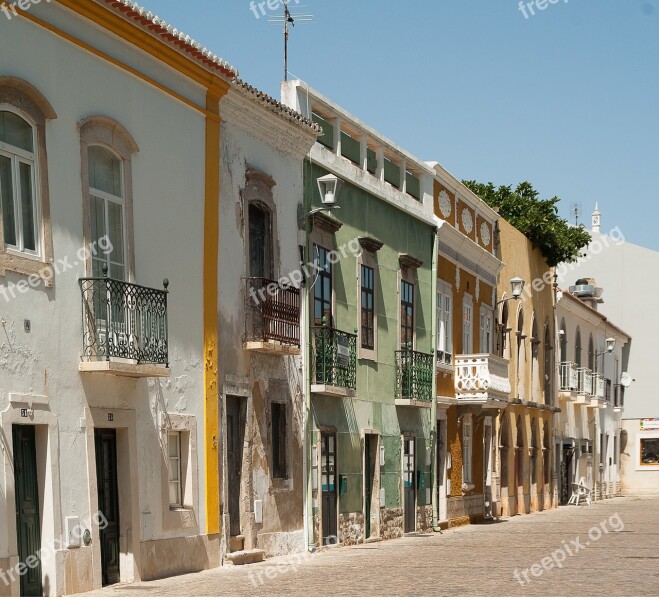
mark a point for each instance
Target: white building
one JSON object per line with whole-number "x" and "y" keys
{"x": 109, "y": 130}
{"x": 592, "y": 359}
{"x": 626, "y": 271}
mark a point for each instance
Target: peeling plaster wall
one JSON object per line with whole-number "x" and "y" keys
{"x": 42, "y": 366}
{"x": 261, "y": 378}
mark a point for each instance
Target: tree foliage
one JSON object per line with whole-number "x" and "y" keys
{"x": 537, "y": 219}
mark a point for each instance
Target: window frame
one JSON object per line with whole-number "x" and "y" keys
{"x": 112, "y": 136}
{"x": 444, "y": 316}
{"x": 411, "y": 329}
{"x": 18, "y": 156}
{"x": 319, "y": 276}
{"x": 467, "y": 309}
{"x": 23, "y": 99}
{"x": 486, "y": 313}
{"x": 179, "y": 458}
{"x": 279, "y": 441}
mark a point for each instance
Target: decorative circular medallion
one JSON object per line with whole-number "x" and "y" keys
{"x": 467, "y": 221}
{"x": 445, "y": 204}
{"x": 485, "y": 234}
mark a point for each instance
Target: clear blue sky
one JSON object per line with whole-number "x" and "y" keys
{"x": 567, "y": 99}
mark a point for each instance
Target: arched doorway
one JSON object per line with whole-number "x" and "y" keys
{"x": 519, "y": 466}
{"x": 534, "y": 452}
{"x": 546, "y": 466}
{"x": 505, "y": 444}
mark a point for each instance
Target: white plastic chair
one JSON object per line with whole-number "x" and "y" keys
{"x": 580, "y": 492}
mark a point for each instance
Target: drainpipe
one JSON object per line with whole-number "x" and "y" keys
{"x": 306, "y": 361}
{"x": 433, "y": 406}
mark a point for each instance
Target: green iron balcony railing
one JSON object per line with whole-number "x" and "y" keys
{"x": 414, "y": 371}
{"x": 123, "y": 320}
{"x": 333, "y": 357}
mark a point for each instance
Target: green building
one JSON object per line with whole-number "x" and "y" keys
{"x": 370, "y": 312}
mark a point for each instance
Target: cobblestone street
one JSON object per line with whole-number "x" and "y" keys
{"x": 472, "y": 560}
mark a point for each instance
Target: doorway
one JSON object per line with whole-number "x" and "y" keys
{"x": 409, "y": 480}
{"x": 108, "y": 502}
{"x": 371, "y": 486}
{"x": 236, "y": 413}
{"x": 567, "y": 472}
{"x": 328, "y": 476}
{"x": 487, "y": 480}
{"x": 28, "y": 521}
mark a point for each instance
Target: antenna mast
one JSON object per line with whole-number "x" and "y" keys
{"x": 289, "y": 19}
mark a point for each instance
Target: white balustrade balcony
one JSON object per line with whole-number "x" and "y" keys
{"x": 585, "y": 387}
{"x": 598, "y": 385}
{"x": 481, "y": 379}
{"x": 569, "y": 377}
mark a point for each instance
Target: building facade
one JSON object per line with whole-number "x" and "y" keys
{"x": 593, "y": 356}
{"x": 618, "y": 266}
{"x": 525, "y": 338}
{"x": 109, "y": 468}
{"x": 260, "y": 360}
{"x": 370, "y": 311}
{"x": 472, "y": 382}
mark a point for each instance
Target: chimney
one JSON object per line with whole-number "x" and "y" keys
{"x": 597, "y": 218}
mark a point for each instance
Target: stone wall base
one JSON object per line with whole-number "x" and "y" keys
{"x": 175, "y": 556}
{"x": 465, "y": 509}
{"x": 391, "y": 523}
{"x": 424, "y": 519}
{"x": 351, "y": 528}
{"x": 279, "y": 543}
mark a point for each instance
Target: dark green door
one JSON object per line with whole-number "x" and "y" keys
{"x": 409, "y": 480}
{"x": 108, "y": 502}
{"x": 28, "y": 528}
{"x": 368, "y": 484}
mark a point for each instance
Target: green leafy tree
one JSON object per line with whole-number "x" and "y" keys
{"x": 537, "y": 219}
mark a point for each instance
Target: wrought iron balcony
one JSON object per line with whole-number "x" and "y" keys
{"x": 481, "y": 379}
{"x": 618, "y": 397}
{"x": 414, "y": 372}
{"x": 272, "y": 317}
{"x": 333, "y": 362}
{"x": 569, "y": 377}
{"x": 124, "y": 328}
{"x": 585, "y": 386}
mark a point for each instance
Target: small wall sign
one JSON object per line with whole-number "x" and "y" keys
{"x": 110, "y": 416}
{"x": 24, "y": 413}
{"x": 649, "y": 424}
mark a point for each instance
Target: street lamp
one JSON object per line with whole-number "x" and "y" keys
{"x": 516, "y": 289}
{"x": 329, "y": 187}
{"x": 610, "y": 347}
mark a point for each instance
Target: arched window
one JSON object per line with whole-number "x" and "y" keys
{"x": 20, "y": 210}
{"x": 260, "y": 241}
{"x": 535, "y": 361}
{"x": 563, "y": 342}
{"x": 25, "y": 235}
{"x": 577, "y": 348}
{"x": 548, "y": 366}
{"x": 591, "y": 353}
{"x": 521, "y": 356}
{"x": 504, "y": 330}
{"x": 106, "y": 155}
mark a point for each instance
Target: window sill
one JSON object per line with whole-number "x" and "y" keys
{"x": 444, "y": 367}
{"x": 31, "y": 266}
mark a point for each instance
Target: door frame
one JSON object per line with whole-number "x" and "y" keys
{"x": 123, "y": 420}
{"x": 47, "y": 447}
{"x": 488, "y": 468}
{"x": 337, "y": 481}
{"x": 243, "y": 429}
{"x": 375, "y": 434}
{"x": 403, "y": 437}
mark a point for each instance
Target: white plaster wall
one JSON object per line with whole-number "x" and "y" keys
{"x": 626, "y": 272}
{"x": 637, "y": 479}
{"x": 168, "y": 192}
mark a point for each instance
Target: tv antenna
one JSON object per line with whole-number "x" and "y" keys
{"x": 575, "y": 211}
{"x": 289, "y": 19}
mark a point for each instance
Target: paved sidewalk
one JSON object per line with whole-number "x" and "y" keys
{"x": 472, "y": 560}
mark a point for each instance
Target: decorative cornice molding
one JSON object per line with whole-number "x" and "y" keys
{"x": 253, "y": 176}
{"x": 326, "y": 222}
{"x": 370, "y": 244}
{"x": 407, "y": 261}
{"x": 242, "y": 109}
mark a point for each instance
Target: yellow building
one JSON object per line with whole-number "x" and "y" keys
{"x": 525, "y": 338}
{"x": 472, "y": 383}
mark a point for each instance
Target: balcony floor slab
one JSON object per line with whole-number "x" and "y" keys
{"x": 123, "y": 369}
{"x": 332, "y": 390}
{"x": 272, "y": 348}
{"x": 412, "y": 402}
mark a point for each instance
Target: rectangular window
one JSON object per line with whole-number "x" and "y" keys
{"x": 368, "y": 307}
{"x": 174, "y": 452}
{"x": 444, "y": 324}
{"x": 467, "y": 327}
{"x": 486, "y": 333}
{"x": 322, "y": 289}
{"x": 279, "y": 437}
{"x": 467, "y": 450}
{"x": 406, "y": 315}
{"x": 649, "y": 451}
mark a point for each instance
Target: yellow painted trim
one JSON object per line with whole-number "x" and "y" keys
{"x": 218, "y": 83}
{"x": 211, "y": 362}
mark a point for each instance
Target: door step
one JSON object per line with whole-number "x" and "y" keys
{"x": 246, "y": 557}
{"x": 236, "y": 543}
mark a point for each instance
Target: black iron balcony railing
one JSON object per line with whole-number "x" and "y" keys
{"x": 333, "y": 357}
{"x": 124, "y": 320}
{"x": 272, "y": 312}
{"x": 414, "y": 372}
{"x": 618, "y": 395}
